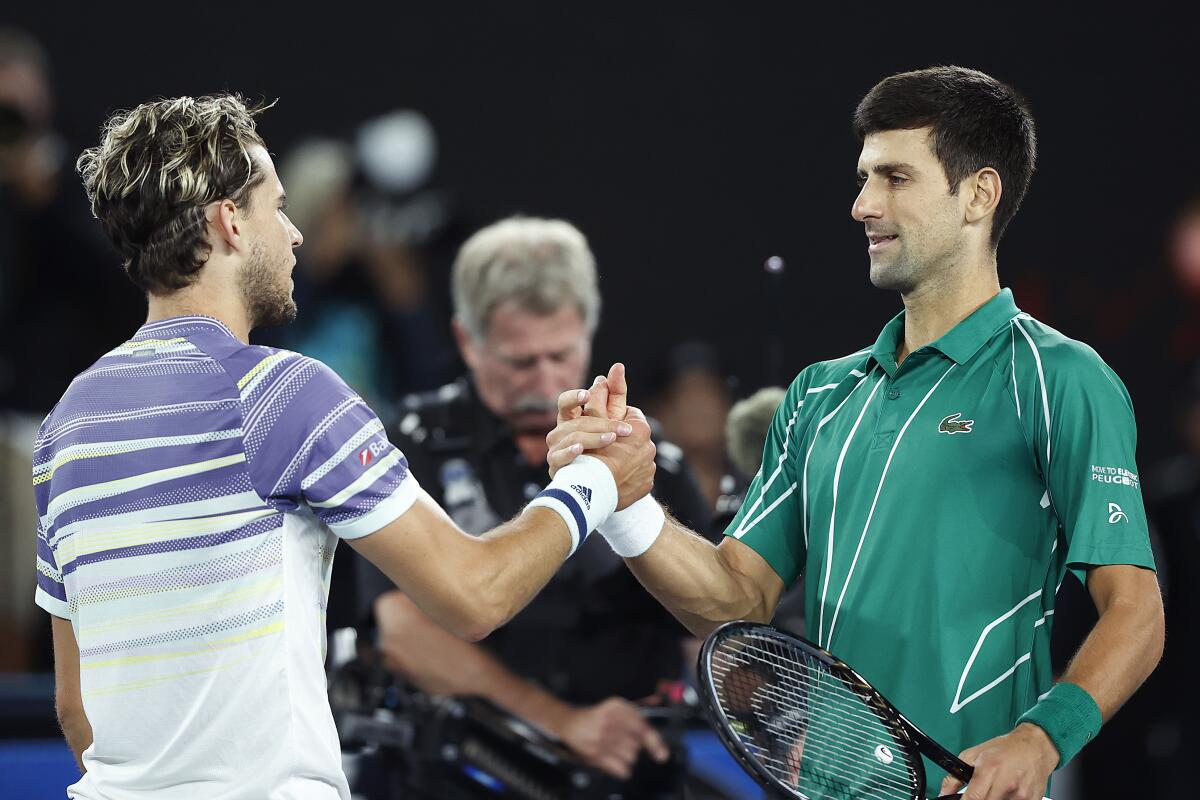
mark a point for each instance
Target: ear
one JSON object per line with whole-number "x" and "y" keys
{"x": 224, "y": 221}
{"x": 983, "y": 190}
{"x": 467, "y": 346}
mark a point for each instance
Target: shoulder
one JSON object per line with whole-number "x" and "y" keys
{"x": 820, "y": 376}
{"x": 1063, "y": 364}
{"x": 832, "y": 371}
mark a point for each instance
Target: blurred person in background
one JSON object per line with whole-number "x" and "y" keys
{"x": 526, "y": 306}
{"x": 746, "y": 432}
{"x": 690, "y": 400}
{"x": 376, "y": 237}
{"x": 54, "y": 265}
{"x": 55, "y": 268}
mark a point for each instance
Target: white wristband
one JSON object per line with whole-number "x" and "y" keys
{"x": 583, "y": 493}
{"x": 631, "y": 531}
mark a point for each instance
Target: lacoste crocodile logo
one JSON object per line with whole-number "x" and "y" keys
{"x": 952, "y": 424}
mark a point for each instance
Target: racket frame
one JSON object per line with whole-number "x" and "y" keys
{"x": 905, "y": 731}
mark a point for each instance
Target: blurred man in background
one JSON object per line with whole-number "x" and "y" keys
{"x": 526, "y": 305}
{"x": 54, "y": 268}
{"x": 377, "y": 242}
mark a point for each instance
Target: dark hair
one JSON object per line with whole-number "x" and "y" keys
{"x": 155, "y": 170}
{"x": 976, "y": 122}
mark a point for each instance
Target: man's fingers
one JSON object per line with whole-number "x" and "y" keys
{"x": 950, "y": 785}
{"x": 614, "y": 766}
{"x": 557, "y": 459}
{"x": 570, "y": 404}
{"x": 654, "y": 745}
{"x": 618, "y": 391}
{"x": 633, "y": 413}
{"x": 597, "y": 403}
{"x": 588, "y": 440}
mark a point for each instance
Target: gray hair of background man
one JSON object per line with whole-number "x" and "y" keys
{"x": 747, "y": 426}
{"x": 539, "y": 264}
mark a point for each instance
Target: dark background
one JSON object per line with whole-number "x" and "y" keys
{"x": 689, "y": 146}
{"x": 691, "y": 143}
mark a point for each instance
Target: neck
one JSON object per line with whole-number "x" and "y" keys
{"x": 199, "y": 300}
{"x": 934, "y": 308}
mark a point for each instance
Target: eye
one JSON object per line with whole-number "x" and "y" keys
{"x": 897, "y": 180}
{"x": 861, "y": 180}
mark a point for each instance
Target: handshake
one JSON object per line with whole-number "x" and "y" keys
{"x": 598, "y": 431}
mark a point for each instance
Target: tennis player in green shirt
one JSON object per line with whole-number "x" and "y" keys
{"x": 936, "y": 487}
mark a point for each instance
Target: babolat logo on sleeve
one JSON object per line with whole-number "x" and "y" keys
{"x": 1117, "y": 475}
{"x": 952, "y": 424}
{"x": 585, "y": 493}
{"x": 371, "y": 452}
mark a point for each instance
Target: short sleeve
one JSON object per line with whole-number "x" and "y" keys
{"x": 1086, "y": 450}
{"x": 51, "y": 591}
{"x": 318, "y": 444}
{"x": 770, "y": 519}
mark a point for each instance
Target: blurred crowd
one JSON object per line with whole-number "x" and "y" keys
{"x": 373, "y": 284}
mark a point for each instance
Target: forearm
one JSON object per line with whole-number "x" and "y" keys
{"x": 700, "y": 583}
{"x": 438, "y": 662}
{"x": 517, "y": 560}
{"x": 468, "y": 585}
{"x": 1120, "y": 653}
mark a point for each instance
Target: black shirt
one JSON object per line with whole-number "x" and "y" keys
{"x": 593, "y": 632}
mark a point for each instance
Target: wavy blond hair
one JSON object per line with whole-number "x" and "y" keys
{"x": 155, "y": 170}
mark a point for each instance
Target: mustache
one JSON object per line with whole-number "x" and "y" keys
{"x": 533, "y": 404}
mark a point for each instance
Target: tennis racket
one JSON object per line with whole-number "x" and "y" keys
{"x": 804, "y": 724}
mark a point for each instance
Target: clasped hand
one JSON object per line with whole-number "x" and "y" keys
{"x": 598, "y": 421}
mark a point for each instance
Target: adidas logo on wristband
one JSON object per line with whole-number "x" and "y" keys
{"x": 585, "y": 493}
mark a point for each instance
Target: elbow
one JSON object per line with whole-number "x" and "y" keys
{"x": 480, "y": 616}
{"x": 483, "y": 607}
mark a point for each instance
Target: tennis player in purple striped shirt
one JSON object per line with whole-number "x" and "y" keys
{"x": 192, "y": 488}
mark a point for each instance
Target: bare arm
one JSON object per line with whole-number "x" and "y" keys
{"x": 1126, "y": 643}
{"x": 471, "y": 585}
{"x": 468, "y": 585}
{"x": 68, "y": 697}
{"x": 1118, "y": 654}
{"x": 705, "y": 585}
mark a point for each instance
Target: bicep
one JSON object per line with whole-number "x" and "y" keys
{"x": 418, "y": 548}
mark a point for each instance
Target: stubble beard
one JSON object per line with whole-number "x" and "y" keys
{"x": 266, "y": 296}
{"x": 898, "y": 274}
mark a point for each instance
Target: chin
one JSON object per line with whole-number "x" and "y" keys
{"x": 890, "y": 278}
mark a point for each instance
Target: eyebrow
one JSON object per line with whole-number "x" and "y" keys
{"x": 889, "y": 167}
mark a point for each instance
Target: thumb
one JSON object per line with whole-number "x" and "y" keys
{"x": 952, "y": 784}
{"x": 597, "y": 404}
{"x": 618, "y": 391}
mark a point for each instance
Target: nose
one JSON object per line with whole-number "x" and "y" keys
{"x": 296, "y": 236}
{"x": 867, "y": 204}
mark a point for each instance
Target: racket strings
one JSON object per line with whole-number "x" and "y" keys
{"x": 806, "y": 726}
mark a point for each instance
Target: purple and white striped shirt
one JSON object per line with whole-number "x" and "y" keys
{"x": 191, "y": 490}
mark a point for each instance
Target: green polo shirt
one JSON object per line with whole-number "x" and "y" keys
{"x": 936, "y": 506}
